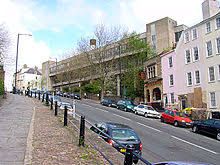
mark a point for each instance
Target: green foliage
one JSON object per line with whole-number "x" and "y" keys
{"x": 93, "y": 87}
{"x": 75, "y": 89}
{"x": 65, "y": 89}
{"x": 1, "y": 87}
{"x": 131, "y": 80}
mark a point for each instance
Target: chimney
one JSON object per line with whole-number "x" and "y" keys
{"x": 210, "y": 8}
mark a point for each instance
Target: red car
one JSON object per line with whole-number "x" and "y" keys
{"x": 176, "y": 118}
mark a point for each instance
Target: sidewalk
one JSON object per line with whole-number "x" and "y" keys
{"x": 31, "y": 134}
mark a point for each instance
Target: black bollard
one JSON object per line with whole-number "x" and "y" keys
{"x": 128, "y": 155}
{"x": 51, "y": 103}
{"x": 31, "y": 93}
{"x": 43, "y": 97}
{"x": 65, "y": 116}
{"x": 82, "y": 131}
{"x": 39, "y": 96}
{"x": 55, "y": 108}
{"x": 35, "y": 94}
{"x": 47, "y": 99}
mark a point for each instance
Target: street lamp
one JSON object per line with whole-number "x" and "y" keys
{"x": 120, "y": 91}
{"x": 16, "y": 65}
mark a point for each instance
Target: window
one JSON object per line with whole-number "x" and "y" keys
{"x": 196, "y": 53}
{"x": 170, "y": 62}
{"x": 171, "y": 80}
{"x": 209, "y": 48}
{"x": 151, "y": 72}
{"x": 189, "y": 78}
{"x": 208, "y": 27}
{"x": 218, "y": 45}
{"x": 172, "y": 97}
{"x": 188, "y": 59}
{"x": 153, "y": 37}
{"x": 194, "y": 34}
{"x": 186, "y": 37}
{"x": 211, "y": 74}
{"x": 218, "y": 22}
{"x": 219, "y": 72}
{"x": 197, "y": 76}
{"x": 212, "y": 99}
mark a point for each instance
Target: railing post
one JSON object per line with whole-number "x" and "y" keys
{"x": 47, "y": 99}
{"x": 55, "y": 108}
{"x": 31, "y": 93}
{"x": 65, "y": 116}
{"x": 51, "y": 104}
{"x": 128, "y": 155}
{"x": 43, "y": 97}
{"x": 82, "y": 131}
{"x": 35, "y": 94}
{"x": 39, "y": 96}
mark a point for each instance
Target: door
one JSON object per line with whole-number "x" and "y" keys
{"x": 207, "y": 125}
{"x": 171, "y": 117}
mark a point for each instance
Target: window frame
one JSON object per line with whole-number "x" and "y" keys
{"x": 197, "y": 83}
{"x": 208, "y": 27}
{"x": 217, "y": 24}
{"x": 186, "y": 62}
{"x": 219, "y": 72}
{"x": 194, "y": 34}
{"x": 207, "y": 50}
{"x": 170, "y": 62}
{"x": 188, "y": 79}
{"x": 170, "y": 80}
{"x": 193, "y": 49}
{"x": 186, "y": 37}
{"x": 149, "y": 73}
{"x": 172, "y": 99}
{"x": 217, "y": 50}
{"x": 210, "y": 75}
{"x": 210, "y": 100}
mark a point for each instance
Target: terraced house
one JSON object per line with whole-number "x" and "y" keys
{"x": 191, "y": 72}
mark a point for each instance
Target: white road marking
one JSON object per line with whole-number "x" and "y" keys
{"x": 121, "y": 117}
{"x": 194, "y": 145}
{"x": 150, "y": 127}
{"x": 101, "y": 109}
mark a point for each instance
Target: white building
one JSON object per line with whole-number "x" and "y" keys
{"x": 29, "y": 77}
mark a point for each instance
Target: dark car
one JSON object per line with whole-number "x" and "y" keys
{"x": 210, "y": 126}
{"x": 126, "y": 105}
{"x": 108, "y": 102}
{"x": 77, "y": 96}
{"x": 123, "y": 134}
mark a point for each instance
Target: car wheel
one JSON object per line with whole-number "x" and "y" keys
{"x": 109, "y": 105}
{"x": 176, "y": 123}
{"x": 161, "y": 119}
{"x": 136, "y": 112}
{"x": 145, "y": 115}
{"x": 195, "y": 129}
{"x": 135, "y": 161}
{"x": 218, "y": 136}
{"x": 125, "y": 109}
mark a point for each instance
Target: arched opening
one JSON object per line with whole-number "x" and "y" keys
{"x": 156, "y": 94}
{"x": 148, "y": 95}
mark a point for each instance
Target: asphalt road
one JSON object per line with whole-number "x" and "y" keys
{"x": 161, "y": 142}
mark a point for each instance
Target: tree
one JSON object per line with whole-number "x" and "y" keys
{"x": 101, "y": 55}
{"x": 131, "y": 79}
{"x": 4, "y": 42}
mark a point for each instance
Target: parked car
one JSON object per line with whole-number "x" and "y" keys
{"x": 126, "y": 105}
{"x": 176, "y": 118}
{"x": 55, "y": 98}
{"x": 210, "y": 126}
{"x": 72, "y": 95}
{"x": 120, "y": 133}
{"x": 63, "y": 104}
{"x": 146, "y": 110}
{"x": 108, "y": 102}
{"x": 77, "y": 96}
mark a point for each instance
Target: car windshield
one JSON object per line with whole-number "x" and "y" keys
{"x": 129, "y": 102}
{"x": 124, "y": 134}
{"x": 181, "y": 114}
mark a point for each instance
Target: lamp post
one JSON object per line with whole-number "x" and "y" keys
{"x": 119, "y": 54}
{"x": 16, "y": 65}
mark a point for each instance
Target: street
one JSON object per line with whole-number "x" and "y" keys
{"x": 161, "y": 142}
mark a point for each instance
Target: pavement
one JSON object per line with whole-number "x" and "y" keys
{"x": 31, "y": 134}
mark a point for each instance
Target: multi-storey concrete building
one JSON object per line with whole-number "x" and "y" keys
{"x": 162, "y": 35}
{"x": 193, "y": 79}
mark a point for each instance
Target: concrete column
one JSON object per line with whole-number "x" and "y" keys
{"x": 118, "y": 85}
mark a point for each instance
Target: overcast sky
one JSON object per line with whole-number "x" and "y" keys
{"x": 57, "y": 25}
